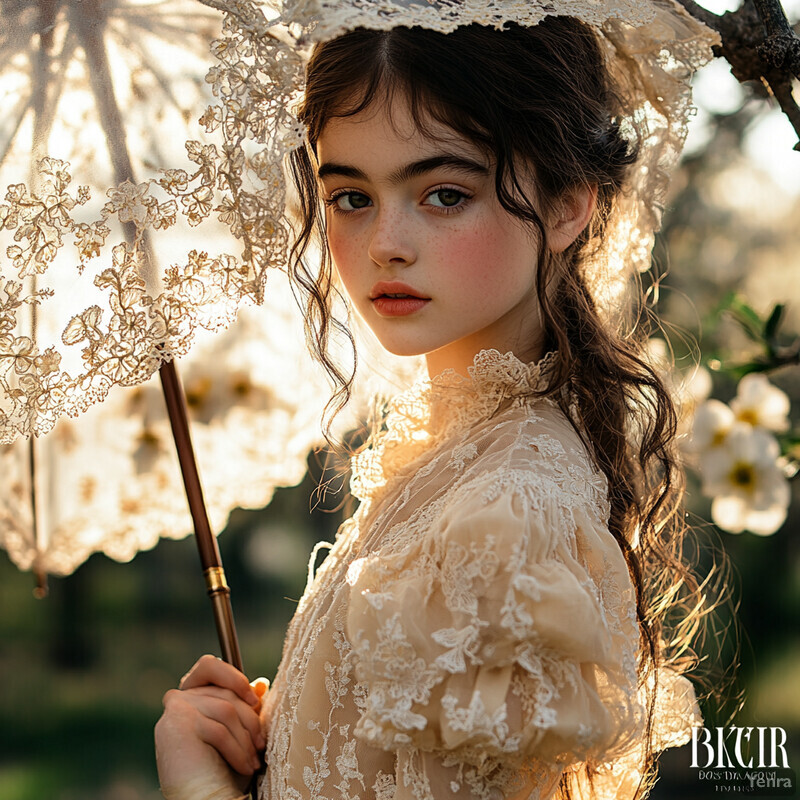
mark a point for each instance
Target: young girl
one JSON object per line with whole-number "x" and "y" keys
{"x": 492, "y": 622}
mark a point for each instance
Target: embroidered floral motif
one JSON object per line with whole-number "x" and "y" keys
{"x": 463, "y": 645}
{"x": 347, "y": 765}
{"x": 462, "y": 454}
{"x": 476, "y": 720}
{"x": 384, "y": 786}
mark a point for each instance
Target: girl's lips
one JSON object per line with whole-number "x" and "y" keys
{"x": 394, "y": 288}
{"x": 398, "y": 306}
{"x": 396, "y": 299}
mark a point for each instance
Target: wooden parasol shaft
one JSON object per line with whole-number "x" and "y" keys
{"x": 89, "y": 23}
{"x": 218, "y": 589}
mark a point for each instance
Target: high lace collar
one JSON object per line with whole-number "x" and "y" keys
{"x": 493, "y": 378}
{"x": 432, "y": 409}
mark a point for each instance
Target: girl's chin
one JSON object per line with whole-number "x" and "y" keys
{"x": 439, "y": 357}
{"x": 402, "y": 350}
{"x": 400, "y": 345}
{"x": 439, "y": 348}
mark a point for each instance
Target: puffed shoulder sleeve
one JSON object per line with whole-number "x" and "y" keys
{"x": 504, "y": 629}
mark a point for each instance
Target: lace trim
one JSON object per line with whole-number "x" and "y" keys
{"x": 432, "y": 410}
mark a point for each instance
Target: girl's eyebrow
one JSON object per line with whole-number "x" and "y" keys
{"x": 408, "y": 171}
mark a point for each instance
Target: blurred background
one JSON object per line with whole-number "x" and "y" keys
{"x": 84, "y": 669}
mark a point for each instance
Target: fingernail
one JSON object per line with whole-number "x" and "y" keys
{"x": 256, "y": 763}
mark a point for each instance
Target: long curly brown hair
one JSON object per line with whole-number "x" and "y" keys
{"x": 537, "y": 96}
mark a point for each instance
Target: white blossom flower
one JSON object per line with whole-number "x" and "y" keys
{"x": 712, "y": 422}
{"x": 695, "y": 384}
{"x": 742, "y": 474}
{"x": 692, "y": 388}
{"x": 761, "y": 404}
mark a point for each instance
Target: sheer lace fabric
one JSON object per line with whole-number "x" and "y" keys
{"x": 472, "y": 633}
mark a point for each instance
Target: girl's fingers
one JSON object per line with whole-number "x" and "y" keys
{"x": 210, "y": 733}
{"x": 219, "y": 726}
{"x": 211, "y": 670}
{"x": 226, "y": 726}
{"x": 248, "y": 717}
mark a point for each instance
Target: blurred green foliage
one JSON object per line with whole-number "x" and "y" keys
{"x": 84, "y": 670}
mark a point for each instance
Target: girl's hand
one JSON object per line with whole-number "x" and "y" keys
{"x": 209, "y": 738}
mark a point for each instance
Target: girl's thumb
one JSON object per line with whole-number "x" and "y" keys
{"x": 260, "y": 687}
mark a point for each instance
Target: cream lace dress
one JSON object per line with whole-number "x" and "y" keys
{"x": 472, "y": 632}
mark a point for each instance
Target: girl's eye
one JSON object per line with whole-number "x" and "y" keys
{"x": 349, "y": 201}
{"x": 447, "y": 198}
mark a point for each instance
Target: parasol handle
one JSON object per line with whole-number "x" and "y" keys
{"x": 218, "y": 589}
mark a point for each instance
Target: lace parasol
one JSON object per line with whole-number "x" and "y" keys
{"x": 96, "y": 294}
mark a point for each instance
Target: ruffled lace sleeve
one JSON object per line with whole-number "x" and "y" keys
{"x": 503, "y": 632}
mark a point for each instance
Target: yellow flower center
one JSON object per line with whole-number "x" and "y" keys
{"x": 197, "y": 393}
{"x": 743, "y": 476}
{"x": 748, "y": 415}
{"x": 719, "y": 437}
{"x": 148, "y": 439}
{"x": 241, "y": 386}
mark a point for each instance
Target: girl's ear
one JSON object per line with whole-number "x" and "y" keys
{"x": 575, "y": 210}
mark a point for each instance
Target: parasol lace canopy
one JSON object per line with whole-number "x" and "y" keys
{"x": 100, "y": 286}
{"x": 116, "y": 218}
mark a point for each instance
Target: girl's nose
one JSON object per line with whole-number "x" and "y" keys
{"x": 391, "y": 241}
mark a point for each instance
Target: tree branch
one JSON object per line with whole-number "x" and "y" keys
{"x": 782, "y": 92}
{"x": 781, "y": 48}
{"x": 760, "y": 46}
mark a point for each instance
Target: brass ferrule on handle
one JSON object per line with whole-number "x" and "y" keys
{"x": 216, "y": 582}
{"x": 220, "y": 594}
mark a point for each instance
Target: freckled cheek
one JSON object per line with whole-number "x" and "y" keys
{"x": 337, "y": 244}
{"x": 345, "y": 251}
{"x": 471, "y": 262}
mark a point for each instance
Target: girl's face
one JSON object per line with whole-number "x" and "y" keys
{"x": 427, "y": 254}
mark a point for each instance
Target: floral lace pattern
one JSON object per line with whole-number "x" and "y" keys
{"x": 472, "y": 633}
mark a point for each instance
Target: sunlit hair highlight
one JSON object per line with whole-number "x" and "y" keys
{"x": 538, "y": 98}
